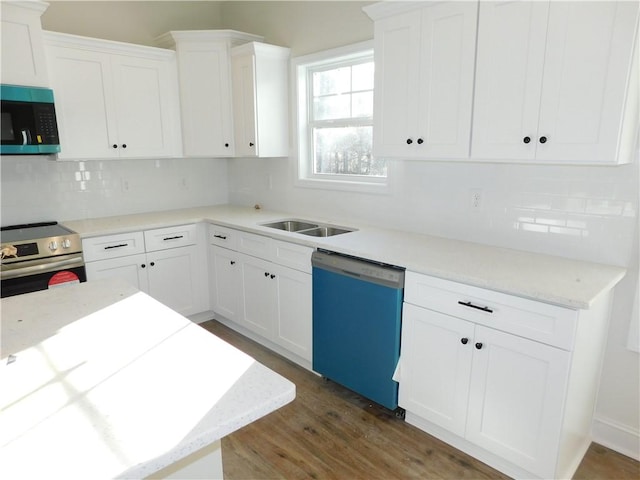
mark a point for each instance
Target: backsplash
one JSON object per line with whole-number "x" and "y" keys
{"x": 35, "y": 188}
{"x": 581, "y": 212}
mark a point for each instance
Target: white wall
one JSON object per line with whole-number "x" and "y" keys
{"x": 586, "y": 213}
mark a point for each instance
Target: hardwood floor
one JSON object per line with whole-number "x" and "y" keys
{"x": 329, "y": 432}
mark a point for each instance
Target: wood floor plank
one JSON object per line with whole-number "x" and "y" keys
{"x": 329, "y": 432}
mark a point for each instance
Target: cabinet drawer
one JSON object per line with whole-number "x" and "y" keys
{"x": 223, "y": 237}
{"x": 112, "y": 246}
{"x": 255, "y": 245}
{"x": 538, "y": 321}
{"x": 170, "y": 237}
{"x": 292, "y": 255}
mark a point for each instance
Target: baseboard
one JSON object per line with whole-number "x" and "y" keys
{"x": 201, "y": 317}
{"x": 617, "y": 437}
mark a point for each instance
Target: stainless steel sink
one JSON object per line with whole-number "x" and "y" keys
{"x": 291, "y": 225}
{"x": 325, "y": 231}
{"x": 305, "y": 227}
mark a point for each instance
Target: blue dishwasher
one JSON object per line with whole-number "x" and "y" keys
{"x": 357, "y": 308}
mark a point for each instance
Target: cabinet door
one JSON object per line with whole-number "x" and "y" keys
{"x": 294, "y": 312}
{"x": 510, "y": 59}
{"x": 205, "y": 94}
{"x": 244, "y": 105}
{"x": 85, "y": 109}
{"x": 132, "y": 269}
{"x": 258, "y": 306}
{"x": 447, "y": 59}
{"x": 172, "y": 276}
{"x": 586, "y": 69}
{"x": 516, "y": 399}
{"x": 143, "y": 89}
{"x": 224, "y": 276}
{"x": 436, "y": 365}
{"x": 396, "y": 47}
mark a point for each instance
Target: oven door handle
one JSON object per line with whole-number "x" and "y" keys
{"x": 22, "y": 270}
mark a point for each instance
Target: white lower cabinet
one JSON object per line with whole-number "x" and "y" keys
{"x": 266, "y": 294}
{"x": 471, "y": 376}
{"x": 170, "y": 275}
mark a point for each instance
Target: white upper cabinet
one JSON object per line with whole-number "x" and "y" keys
{"x": 113, "y": 100}
{"x": 554, "y": 82}
{"x": 204, "y": 69}
{"x": 424, "y": 79}
{"x": 23, "y": 59}
{"x": 260, "y": 100}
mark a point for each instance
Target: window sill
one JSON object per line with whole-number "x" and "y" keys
{"x": 345, "y": 185}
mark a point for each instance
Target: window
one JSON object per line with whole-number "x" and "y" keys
{"x": 335, "y": 120}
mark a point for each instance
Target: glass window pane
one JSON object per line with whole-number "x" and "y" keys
{"x": 331, "y": 107}
{"x": 346, "y": 151}
{"x": 362, "y": 104}
{"x": 362, "y": 76}
{"x": 333, "y": 81}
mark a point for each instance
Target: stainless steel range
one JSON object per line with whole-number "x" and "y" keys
{"x": 38, "y": 256}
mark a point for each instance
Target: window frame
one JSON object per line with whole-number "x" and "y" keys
{"x": 302, "y": 67}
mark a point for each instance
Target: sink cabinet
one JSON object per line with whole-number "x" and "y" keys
{"x": 510, "y": 381}
{"x": 262, "y": 288}
{"x": 163, "y": 263}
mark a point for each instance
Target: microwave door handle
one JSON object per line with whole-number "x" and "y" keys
{"x": 26, "y": 136}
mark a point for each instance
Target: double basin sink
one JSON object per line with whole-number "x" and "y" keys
{"x": 307, "y": 228}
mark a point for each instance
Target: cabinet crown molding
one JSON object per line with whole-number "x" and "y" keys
{"x": 233, "y": 37}
{"x": 109, "y": 46}
{"x": 36, "y": 6}
{"x": 381, "y": 10}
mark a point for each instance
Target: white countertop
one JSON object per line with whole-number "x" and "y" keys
{"x": 551, "y": 279}
{"x": 109, "y": 383}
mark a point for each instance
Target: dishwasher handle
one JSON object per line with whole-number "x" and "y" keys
{"x": 359, "y": 268}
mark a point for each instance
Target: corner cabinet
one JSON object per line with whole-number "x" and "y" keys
{"x": 260, "y": 100}
{"x": 204, "y": 69}
{"x": 113, "y": 100}
{"x": 424, "y": 79}
{"x": 262, "y": 288}
{"x": 23, "y": 58}
{"x": 511, "y": 381}
{"x": 555, "y": 82}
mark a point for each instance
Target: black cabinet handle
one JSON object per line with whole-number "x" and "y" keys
{"x": 409, "y": 141}
{"x": 526, "y": 139}
{"x": 173, "y": 238}
{"x": 115, "y": 146}
{"x": 143, "y": 265}
{"x": 420, "y": 141}
{"x": 543, "y": 139}
{"x": 251, "y": 144}
{"x": 272, "y": 276}
{"x": 152, "y": 263}
{"x": 479, "y": 345}
{"x": 266, "y": 274}
{"x": 477, "y": 307}
{"x": 220, "y": 236}
{"x": 124, "y": 145}
{"x": 120, "y": 245}
{"x": 232, "y": 262}
{"x": 226, "y": 145}
{"x": 464, "y": 340}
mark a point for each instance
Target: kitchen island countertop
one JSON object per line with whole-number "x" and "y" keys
{"x": 557, "y": 280}
{"x": 99, "y": 380}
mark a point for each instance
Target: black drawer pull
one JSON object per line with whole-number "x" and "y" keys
{"x": 477, "y": 307}
{"x": 109, "y": 247}
{"x": 220, "y": 236}
{"x": 173, "y": 238}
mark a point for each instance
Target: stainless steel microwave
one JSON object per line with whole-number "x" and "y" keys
{"x": 28, "y": 121}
